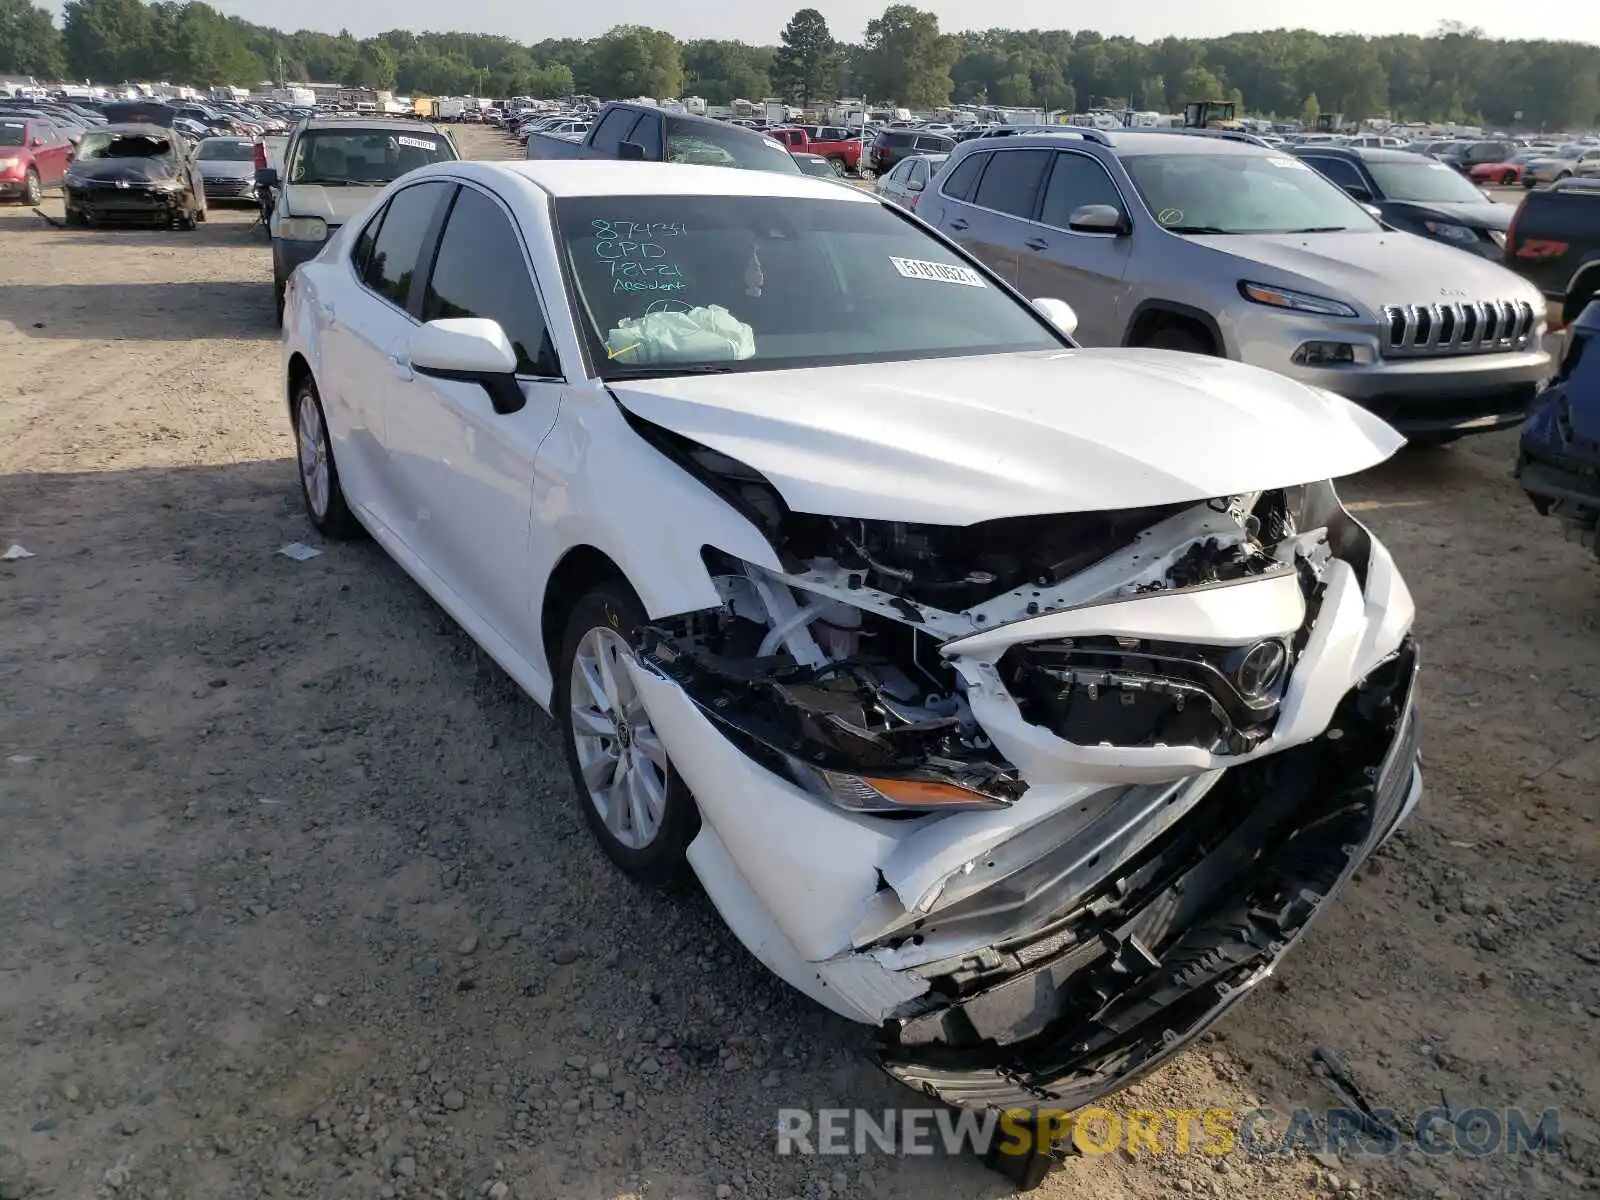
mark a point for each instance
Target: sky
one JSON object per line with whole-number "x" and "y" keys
{"x": 532, "y": 20}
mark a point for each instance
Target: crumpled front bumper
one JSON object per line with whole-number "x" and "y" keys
{"x": 1218, "y": 922}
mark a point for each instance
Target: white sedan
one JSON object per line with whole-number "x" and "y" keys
{"x": 1022, "y": 701}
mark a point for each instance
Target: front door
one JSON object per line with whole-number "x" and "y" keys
{"x": 1084, "y": 269}
{"x": 472, "y": 465}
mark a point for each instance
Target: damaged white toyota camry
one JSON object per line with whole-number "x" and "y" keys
{"x": 1024, "y": 702}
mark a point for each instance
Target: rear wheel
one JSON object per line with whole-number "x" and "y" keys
{"x": 1563, "y": 175}
{"x": 1508, "y": 178}
{"x": 76, "y": 219}
{"x": 838, "y": 166}
{"x": 639, "y": 809}
{"x": 32, "y": 189}
{"x": 319, "y": 474}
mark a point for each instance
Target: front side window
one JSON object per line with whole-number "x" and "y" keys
{"x": 363, "y": 157}
{"x": 674, "y": 283}
{"x": 1242, "y": 193}
{"x": 613, "y": 128}
{"x": 647, "y": 133}
{"x": 480, "y": 272}
{"x": 1341, "y": 171}
{"x": 1076, "y": 180}
{"x": 398, "y": 246}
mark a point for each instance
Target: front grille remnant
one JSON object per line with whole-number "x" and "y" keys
{"x": 1462, "y": 327}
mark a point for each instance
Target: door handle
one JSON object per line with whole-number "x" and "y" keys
{"x": 959, "y": 223}
{"x": 1036, "y": 244}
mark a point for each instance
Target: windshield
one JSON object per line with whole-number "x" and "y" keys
{"x": 1424, "y": 180}
{"x": 669, "y": 284}
{"x": 227, "y": 150}
{"x": 1242, "y": 193}
{"x": 123, "y": 145}
{"x": 11, "y": 134}
{"x": 358, "y": 157}
{"x": 705, "y": 143}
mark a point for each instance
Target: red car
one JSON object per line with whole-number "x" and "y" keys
{"x": 1504, "y": 173}
{"x": 33, "y": 156}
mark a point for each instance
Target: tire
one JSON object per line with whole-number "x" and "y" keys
{"x": 650, "y": 829}
{"x": 188, "y": 221}
{"x": 1508, "y": 179}
{"x": 76, "y": 219}
{"x": 1179, "y": 337}
{"x": 1563, "y": 175}
{"x": 320, "y": 488}
{"x": 32, "y": 189}
{"x": 838, "y": 166}
{"x": 279, "y": 287}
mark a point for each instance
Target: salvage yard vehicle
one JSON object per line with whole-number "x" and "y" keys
{"x": 1558, "y": 459}
{"x": 1554, "y": 243}
{"x": 34, "y": 155}
{"x": 134, "y": 174}
{"x": 1416, "y": 195}
{"x": 332, "y": 165}
{"x": 645, "y": 133}
{"x": 228, "y": 169}
{"x": 1195, "y": 241}
{"x": 1028, "y": 728}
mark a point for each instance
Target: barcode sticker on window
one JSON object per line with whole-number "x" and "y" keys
{"x": 916, "y": 268}
{"x": 418, "y": 143}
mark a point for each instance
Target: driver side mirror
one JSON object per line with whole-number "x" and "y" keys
{"x": 1098, "y": 218}
{"x": 1359, "y": 192}
{"x": 267, "y": 177}
{"x": 631, "y": 152}
{"x": 915, "y": 185}
{"x": 470, "y": 350}
{"x": 37, "y": 141}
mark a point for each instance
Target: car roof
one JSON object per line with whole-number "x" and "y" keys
{"x": 1377, "y": 154}
{"x": 366, "y": 121}
{"x": 613, "y": 177}
{"x": 1125, "y": 143}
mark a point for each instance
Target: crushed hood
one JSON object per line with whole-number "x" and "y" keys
{"x": 957, "y": 441}
{"x": 1373, "y": 269}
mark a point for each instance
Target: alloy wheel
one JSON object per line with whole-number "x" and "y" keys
{"x": 620, "y": 755}
{"x": 313, "y": 455}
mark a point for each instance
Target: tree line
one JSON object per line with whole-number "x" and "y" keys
{"x": 1456, "y": 74}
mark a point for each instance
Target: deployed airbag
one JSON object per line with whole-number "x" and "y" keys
{"x": 706, "y": 334}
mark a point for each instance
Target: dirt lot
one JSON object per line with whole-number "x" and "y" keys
{"x": 295, "y": 900}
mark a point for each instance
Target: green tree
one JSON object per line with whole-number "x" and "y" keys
{"x": 722, "y": 71}
{"x": 632, "y": 60}
{"x": 906, "y": 59}
{"x": 1198, "y": 83}
{"x": 107, "y": 40}
{"x": 806, "y": 67}
{"x": 1311, "y": 111}
{"x": 30, "y": 43}
{"x": 551, "y": 82}
{"x": 375, "y": 66}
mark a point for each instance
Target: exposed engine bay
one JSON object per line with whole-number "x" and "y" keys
{"x": 1051, "y": 790}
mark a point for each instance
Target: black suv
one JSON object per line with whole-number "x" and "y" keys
{"x": 892, "y": 145}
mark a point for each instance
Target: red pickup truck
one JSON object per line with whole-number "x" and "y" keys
{"x": 834, "y": 143}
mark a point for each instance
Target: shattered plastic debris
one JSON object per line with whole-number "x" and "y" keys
{"x": 14, "y": 551}
{"x": 299, "y": 551}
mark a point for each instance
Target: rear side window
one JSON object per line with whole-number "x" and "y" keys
{"x": 935, "y": 145}
{"x": 648, "y": 134}
{"x": 1339, "y": 170}
{"x": 398, "y": 246}
{"x": 958, "y": 185}
{"x": 613, "y": 128}
{"x": 480, "y": 272}
{"x": 1011, "y": 184}
{"x": 898, "y": 139}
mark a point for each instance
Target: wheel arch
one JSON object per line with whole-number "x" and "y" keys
{"x": 1582, "y": 288}
{"x": 298, "y": 372}
{"x": 580, "y": 569}
{"x": 1151, "y": 315}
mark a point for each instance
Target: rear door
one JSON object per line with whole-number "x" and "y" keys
{"x": 365, "y": 370}
{"x": 474, "y": 465}
{"x": 1084, "y": 269}
{"x": 998, "y": 223}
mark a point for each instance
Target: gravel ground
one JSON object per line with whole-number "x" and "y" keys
{"x": 295, "y": 899}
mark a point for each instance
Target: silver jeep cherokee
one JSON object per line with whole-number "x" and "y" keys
{"x": 1221, "y": 247}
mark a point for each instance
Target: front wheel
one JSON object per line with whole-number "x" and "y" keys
{"x": 1508, "y": 178}
{"x": 32, "y": 189}
{"x": 1563, "y": 175}
{"x": 838, "y": 166}
{"x": 319, "y": 474}
{"x": 637, "y": 806}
